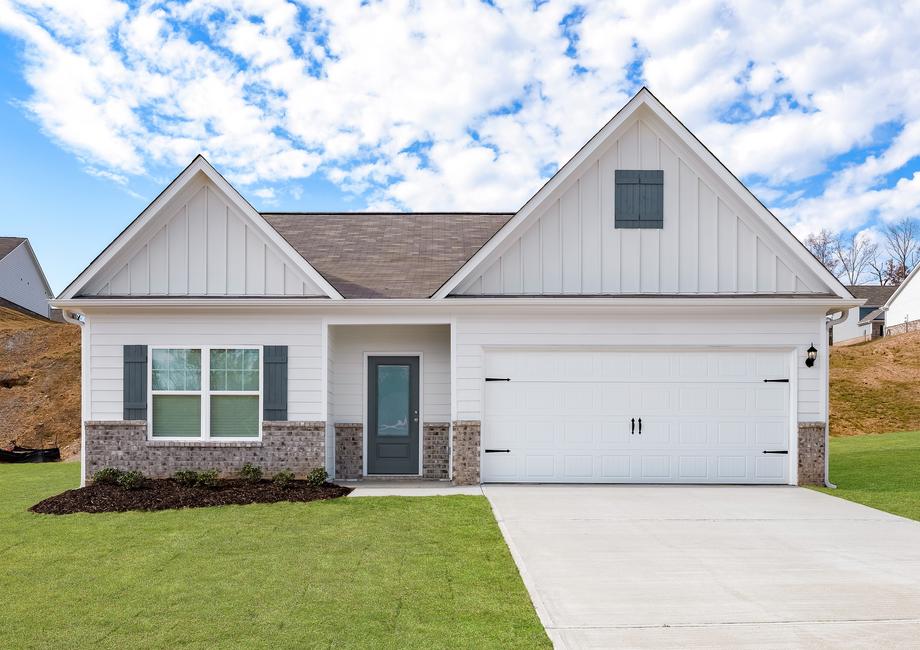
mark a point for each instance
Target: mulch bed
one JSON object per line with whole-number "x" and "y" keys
{"x": 167, "y": 494}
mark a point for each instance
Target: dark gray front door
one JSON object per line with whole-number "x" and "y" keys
{"x": 392, "y": 417}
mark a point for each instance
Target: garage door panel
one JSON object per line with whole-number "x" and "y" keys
{"x": 707, "y": 416}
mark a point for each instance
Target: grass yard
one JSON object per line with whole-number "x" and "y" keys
{"x": 373, "y": 573}
{"x": 882, "y": 471}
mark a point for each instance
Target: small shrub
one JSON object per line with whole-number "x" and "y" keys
{"x": 107, "y": 475}
{"x": 284, "y": 478}
{"x": 186, "y": 477}
{"x": 317, "y": 477}
{"x": 209, "y": 478}
{"x": 251, "y": 473}
{"x": 131, "y": 480}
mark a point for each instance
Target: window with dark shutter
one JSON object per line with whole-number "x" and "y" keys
{"x": 638, "y": 198}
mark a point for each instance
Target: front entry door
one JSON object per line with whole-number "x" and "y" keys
{"x": 392, "y": 415}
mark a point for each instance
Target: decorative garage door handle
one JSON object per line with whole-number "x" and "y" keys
{"x": 632, "y": 427}
{"x": 640, "y": 426}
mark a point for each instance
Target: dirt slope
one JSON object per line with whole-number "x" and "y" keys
{"x": 39, "y": 382}
{"x": 875, "y": 386}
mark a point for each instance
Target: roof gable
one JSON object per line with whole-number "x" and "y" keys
{"x": 199, "y": 238}
{"x": 9, "y": 244}
{"x": 717, "y": 238}
{"x": 387, "y": 255}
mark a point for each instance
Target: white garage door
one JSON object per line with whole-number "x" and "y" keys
{"x": 636, "y": 417}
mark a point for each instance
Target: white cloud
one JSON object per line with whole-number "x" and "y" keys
{"x": 461, "y": 105}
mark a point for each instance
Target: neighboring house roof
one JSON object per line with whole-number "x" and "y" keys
{"x": 387, "y": 255}
{"x": 872, "y": 315}
{"x": 9, "y": 244}
{"x": 875, "y": 295}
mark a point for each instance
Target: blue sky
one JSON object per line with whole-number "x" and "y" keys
{"x": 336, "y": 105}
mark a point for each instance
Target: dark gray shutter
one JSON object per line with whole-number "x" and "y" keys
{"x": 638, "y": 198}
{"x": 274, "y": 382}
{"x": 134, "y": 390}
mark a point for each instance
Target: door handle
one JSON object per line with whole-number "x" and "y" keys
{"x": 632, "y": 427}
{"x": 640, "y": 426}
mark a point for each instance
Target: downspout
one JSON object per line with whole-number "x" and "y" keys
{"x": 831, "y": 322}
{"x": 75, "y": 318}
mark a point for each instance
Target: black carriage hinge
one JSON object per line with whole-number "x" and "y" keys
{"x": 776, "y": 381}
{"x": 498, "y": 451}
{"x": 778, "y": 451}
{"x": 498, "y": 378}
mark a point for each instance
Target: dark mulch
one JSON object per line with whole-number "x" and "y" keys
{"x": 167, "y": 494}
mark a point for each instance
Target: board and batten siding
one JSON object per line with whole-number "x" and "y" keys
{"x": 351, "y": 342}
{"x": 206, "y": 248}
{"x": 21, "y": 282}
{"x": 780, "y": 329}
{"x": 110, "y": 332}
{"x": 710, "y": 243}
{"x": 905, "y": 308}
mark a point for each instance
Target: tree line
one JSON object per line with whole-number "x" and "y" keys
{"x": 856, "y": 259}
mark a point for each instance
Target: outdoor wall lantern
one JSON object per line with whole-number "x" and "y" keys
{"x": 812, "y": 355}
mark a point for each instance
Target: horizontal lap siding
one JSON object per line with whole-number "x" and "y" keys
{"x": 302, "y": 335}
{"x": 629, "y": 330}
{"x": 351, "y": 342}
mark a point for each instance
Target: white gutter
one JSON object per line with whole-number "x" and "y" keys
{"x": 831, "y": 322}
{"x": 74, "y": 319}
{"x": 830, "y": 302}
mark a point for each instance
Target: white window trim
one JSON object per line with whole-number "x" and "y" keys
{"x": 204, "y": 392}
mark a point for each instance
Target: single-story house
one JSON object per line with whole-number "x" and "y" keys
{"x": 642, "y": 318}
{"x": 22, "y": 282}
{"x": 867, "y": 321}
{"x": 902, "y": 311}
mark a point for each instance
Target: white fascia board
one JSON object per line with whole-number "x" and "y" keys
{"x": 910, "y": 276}
{"x": 198, "y": 165}
{"x": 644, "y": 98}
{"x": 457, "y": 304}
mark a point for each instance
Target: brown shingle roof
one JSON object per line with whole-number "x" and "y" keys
{"x": 7, "y": 244}
{"x": 875, "y": 295}
{"x": 387, "y": 255}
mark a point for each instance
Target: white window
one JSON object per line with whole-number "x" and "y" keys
{"x": 210, "y": 393}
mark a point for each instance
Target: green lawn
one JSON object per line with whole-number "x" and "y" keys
{"x": 882, "y": 471}
{"x": 374, "y": 573}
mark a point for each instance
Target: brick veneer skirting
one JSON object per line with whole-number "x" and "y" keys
{"x": 436, "y": 452}
{"x": 294, "y": 445}
{"x": 903, "y": 328}
{"x": 466, "y": 452}
{"x": 349, "y": 450}
{"x": 811, "y": 453}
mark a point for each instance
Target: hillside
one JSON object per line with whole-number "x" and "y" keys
{"x": 39, "y": 382}
{"x": 875, "y": 386}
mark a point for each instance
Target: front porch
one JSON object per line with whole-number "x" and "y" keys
{"x": 389, "y": 401}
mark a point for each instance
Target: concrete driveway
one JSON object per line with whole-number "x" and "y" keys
{"x": 663, "y": 566}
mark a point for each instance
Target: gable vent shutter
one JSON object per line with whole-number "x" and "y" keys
{"x": 274, "y": 382}
{"x": 135, "y": 383}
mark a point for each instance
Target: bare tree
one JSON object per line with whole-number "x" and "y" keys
{"x": 823, "y": 246}
{"x": 902, "y": 242}
{"x": 878, "y": 267}
{"x": 854, "y": 255}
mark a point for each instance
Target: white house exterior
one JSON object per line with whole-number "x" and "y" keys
{"x": 22, "y": 281}
{"x": 902, "y": 311}
{"x": 867, "y": 321}
{"x": 642, "y": 318}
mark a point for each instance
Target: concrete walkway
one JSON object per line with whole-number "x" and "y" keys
{"x": 695, "y": 567}
{"x": 407, "y": 488}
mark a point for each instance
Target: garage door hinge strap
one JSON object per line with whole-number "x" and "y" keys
{"x": 498, "y": 451}
{"x": 781, "y": 451}
{"x": 776, "y": 381}
{"x": 498, "y": 379}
